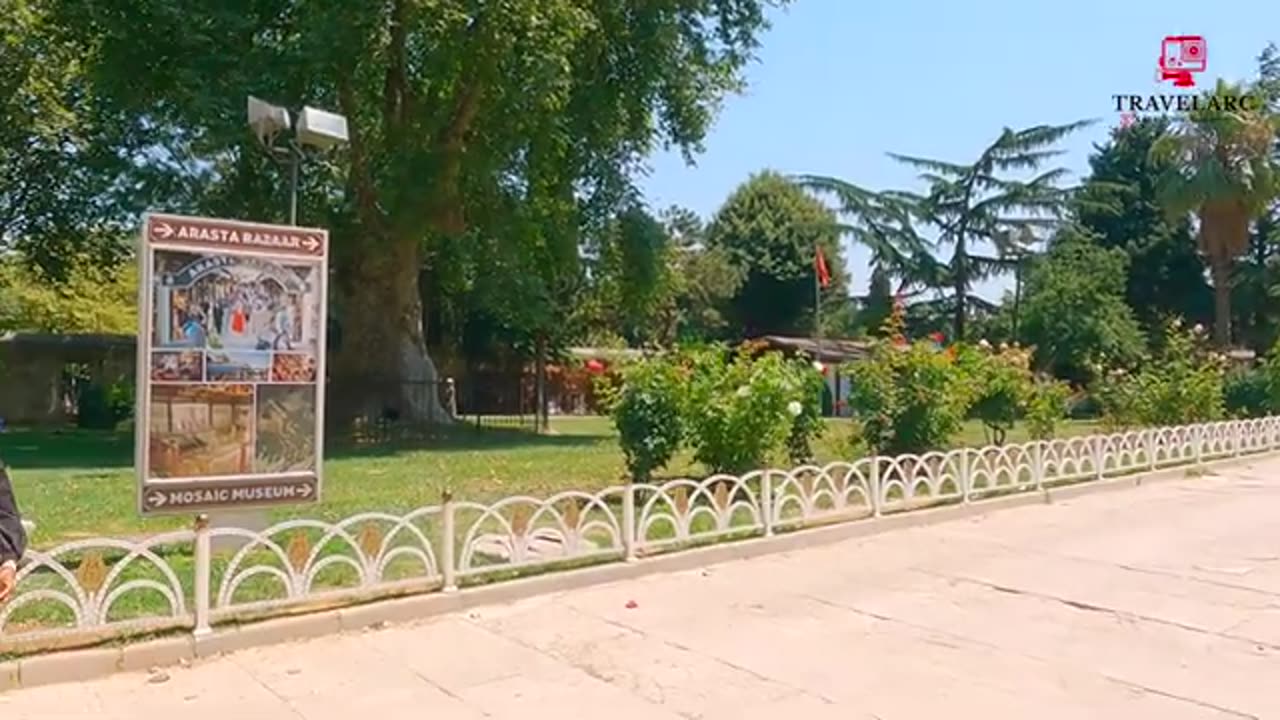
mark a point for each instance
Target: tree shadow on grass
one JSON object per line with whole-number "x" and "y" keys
{"x": 71, "y": 448}
{"x": 452, "y": 438}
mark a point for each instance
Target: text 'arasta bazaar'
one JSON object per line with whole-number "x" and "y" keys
{"x": 232, "y": 236}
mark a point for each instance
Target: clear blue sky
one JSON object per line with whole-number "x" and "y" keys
{"x": 839, "y": 83}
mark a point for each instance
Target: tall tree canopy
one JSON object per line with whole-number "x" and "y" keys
{"x": 1120, "y": 207}
{"x": 1221, "y": 166}
{"x": 770, "y": 230}
{"x": 968, "y": 206}
{"x": 515, "y": 124}
{"x": 1074, "y": 313}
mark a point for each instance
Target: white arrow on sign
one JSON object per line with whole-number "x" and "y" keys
{"x": 311, "y": 242}
{"x": 304, "y": 489}
{"x": 164, "y": 230}
{"x": 157, "y": 498}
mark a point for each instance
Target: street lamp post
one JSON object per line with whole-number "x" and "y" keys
{"x": 314, "y": 129}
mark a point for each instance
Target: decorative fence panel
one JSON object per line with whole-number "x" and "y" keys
{"x": 89, "y": 591}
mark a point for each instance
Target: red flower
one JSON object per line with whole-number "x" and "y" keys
{"x": 937, "y": 337}
{"x": 594, "y": 366}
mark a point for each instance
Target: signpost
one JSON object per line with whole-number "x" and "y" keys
{"x": 231, "y": 357}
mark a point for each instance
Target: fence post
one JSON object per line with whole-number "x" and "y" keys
{"x": 877, "y": 501}
{"x": 1197, "y": 440}
{"x": 1099, "y": 468}
{"x": 766, "y": 501}
{"x": 449, "y": 558}
{"x": 203, "y": 572}
{"x": 630, "y": 533}
{"x": 966, "y": 480}
{"x": 1237, "y": 432}
{"x": 1037, "y": 464}
{"x": 1150, "y": 434}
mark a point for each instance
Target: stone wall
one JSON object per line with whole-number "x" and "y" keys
{"x": 33, "y": 367}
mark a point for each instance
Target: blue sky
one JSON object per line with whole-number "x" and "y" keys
{"x": 841, "y": 82}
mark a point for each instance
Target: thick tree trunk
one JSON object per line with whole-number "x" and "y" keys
{"x": 1220, "y": 270}
{"x": 381, "y": 370}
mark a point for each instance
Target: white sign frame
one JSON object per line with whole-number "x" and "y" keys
{"x": 216, "y": 237}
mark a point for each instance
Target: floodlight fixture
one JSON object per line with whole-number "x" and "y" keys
{"x": 267, "y": 120}
{"x": 320, "y": 129}
{"x": 313, "y": 128}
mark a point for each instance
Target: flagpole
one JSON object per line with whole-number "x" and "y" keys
{"x": 817, "y": 325}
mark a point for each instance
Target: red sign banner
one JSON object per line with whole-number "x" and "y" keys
{"x": 228, "y": 235}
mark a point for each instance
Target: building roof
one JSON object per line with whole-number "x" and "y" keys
{"x": 824, "y": 349}
{"x": 590, "y": 353}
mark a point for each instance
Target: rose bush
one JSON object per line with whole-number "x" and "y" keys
{"x": 1181, "y": 384}
{"x": 646, "y": 412}
{"x": 740, "y": 409}
{"x": 908, "y": 397}
{"x": 736, "y": 411}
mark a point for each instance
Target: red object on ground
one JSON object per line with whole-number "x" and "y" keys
{"x": 632, "y": 605}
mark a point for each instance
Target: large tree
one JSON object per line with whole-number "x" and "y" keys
{"x": 513, "y": 124}
{"x": 1221, "y": 166}
{"x": 1074, "y": 313}
{"x": 770, "y": 230}
{"x": 1120, "y": 207}
{"x": 968, "y": 206}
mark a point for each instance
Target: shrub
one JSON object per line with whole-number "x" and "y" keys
{"x": 1270, "y": 370}
{"x": 740, "y": 410}
{"x": 1182, "y": 384}
{"x": 1047, "y": 403}
{"x": 103, "y": 407}
{"x": 646, "y": 412}
{"x": 1002, "y": 384}
{"x": 1247, "y": 393}
{"x": 908, "y": 398}
{"x": 808, "y": 424}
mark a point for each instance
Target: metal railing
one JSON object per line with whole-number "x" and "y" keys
{"x": 92, "y": 590}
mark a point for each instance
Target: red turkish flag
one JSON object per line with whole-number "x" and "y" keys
{"x": 820, "y": 267}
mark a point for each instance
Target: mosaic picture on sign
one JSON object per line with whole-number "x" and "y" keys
{"x": 232, "y": 317}
{"x": 228, "y": 303}
{"x": 201, "y": 430}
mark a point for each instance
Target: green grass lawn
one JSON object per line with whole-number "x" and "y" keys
{"x": 77, "y": 484}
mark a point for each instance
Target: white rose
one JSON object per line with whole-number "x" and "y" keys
{"x": 818, "y": 366}
{"x": 794, "y": 408}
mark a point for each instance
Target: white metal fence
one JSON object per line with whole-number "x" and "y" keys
{"x": 92, "y": 590}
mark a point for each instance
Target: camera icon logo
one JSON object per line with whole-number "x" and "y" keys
{"x": 1181, "y": 57}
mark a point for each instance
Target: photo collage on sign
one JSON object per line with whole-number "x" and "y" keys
{"x": 235, "y": 348}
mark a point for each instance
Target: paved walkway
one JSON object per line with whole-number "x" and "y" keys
{"x": 1159, "y": 602}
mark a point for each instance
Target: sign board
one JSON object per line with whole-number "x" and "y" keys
{"x": 231, "y": 351}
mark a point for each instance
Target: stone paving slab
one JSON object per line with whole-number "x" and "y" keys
{"x": 1158, "y": 602}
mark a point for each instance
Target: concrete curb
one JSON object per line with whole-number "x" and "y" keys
{"x": 87, "y": 664}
